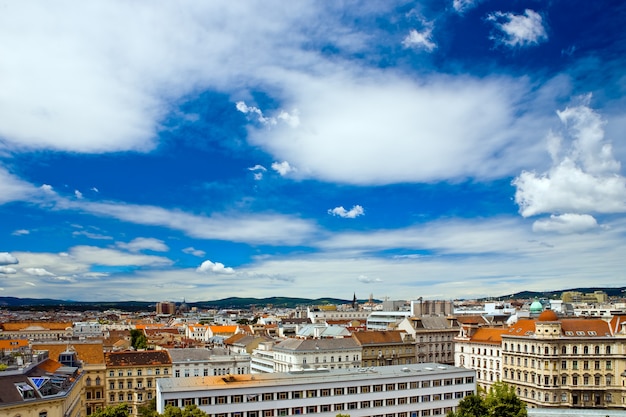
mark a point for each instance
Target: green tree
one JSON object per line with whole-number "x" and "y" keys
{"x": 138, "y": 339}
{"x": 189, "y": 411}
{"x": 502, "y": 401}
{"x": 148, "y": 409}
{"x": 499, "y": 401}
{"x": 112, "y": 411}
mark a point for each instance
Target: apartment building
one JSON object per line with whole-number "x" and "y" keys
{"x": 208, "y": 362}
{"x": 393, "y": 391}
{"x": 308, "y": 354}
{"x": 577, "y": 363}
{"x": 131, "y": 376}
{"x": 36, "y": 386}
{"x": 90, "y": 358}
{"x": 36, "y": 330}
{"x": 384, "y": 348}
{"x": 480, "y": 348}
{"x": 434, "y": 337}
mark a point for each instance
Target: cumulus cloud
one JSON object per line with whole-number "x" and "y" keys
{"x": 21, "y": 232}
{"x": 519, "y": 30}
{"x": 368, "y": 280}
{"x": 566, "y": 223}
{"x": 420, "y": 40}
{"x": 283, "y": 168}
{"x": 354, "y": 212}
{"x": 37, "y": 272}
{"x": 144, "y": 243}
{"x": 78, "y": 194}
{"x": 93, "y": 255}
{"x": 584, "y": 177}
{"x": 215, "y": 267}
{"x": 7, "y": 270}
{"x": 291, "y": 119}
{"x": 7, "y": 259}
{"x": 195, "y": 252}
{"x": 444, "y": 127}
{"x": 461, "y": 6}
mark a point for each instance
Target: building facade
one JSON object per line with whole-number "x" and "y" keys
{"x": 393, "y": 391}
{"x": 131, "y": 376}
{"x": 384, "y": 348}
{"x": 306, "y": 354}
{"x": 208, "y": 362}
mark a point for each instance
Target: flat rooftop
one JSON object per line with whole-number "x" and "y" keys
{"x": 427, "y": 370}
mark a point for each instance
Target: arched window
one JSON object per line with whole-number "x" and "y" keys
{"x": 586, "y": 350}
{"x": 546, "y": 351}
{"x": 564, "y": 350}
{"x": 597, "y": 350}
{"x": 608, "y": 350}
{"x": 575, "y": 350}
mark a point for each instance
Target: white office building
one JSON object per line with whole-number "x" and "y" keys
{"x": 392, "y": 391}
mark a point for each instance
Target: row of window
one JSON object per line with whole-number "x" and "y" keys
{"x": 564, "y": 398}
{"x": 206, "y": 401}
{"x": 214, "y": 371}
{"x": 138, "y": 372}
{"x": 575, "y": 350}
{"x": 565, "y": 364}
{"x": 546, "y": 380}
{"x": 121, "y": 396}
{"x": 129, "y": 384}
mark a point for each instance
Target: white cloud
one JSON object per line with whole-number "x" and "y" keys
{"x": 461, "y": 6}
{"x": 195, "y": 252}
{"x": 7, "y": 270}
{"x": 78, "y": 194}
{"x": 354, "y": 212}
{"x": 290, "y": 119}
{"x": 110, "y": 257}
{"x": 14, "y": 189}
{"x": 368, "y": 280}
{"x": 584, "y": 177}
{"x": 258, "y": 167}
{"x": 566, "y": 223}
{"x": 94, "y": 189}
{"x": 520, "y": 30}
{"x": 217, "y": 268}
{"x": 91, "y": 235}
{"x": 443, "y": 127}
{"x": 37, "y": 272}
{"x": 21, "y": 232}
{"x": 7, "y": 259}
{"x": 144, "y": 243}
{"x": 420, "y": 40}
{"x": 283, "y": 168}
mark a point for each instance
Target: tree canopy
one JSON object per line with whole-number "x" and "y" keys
{"x": 499, "y": 401}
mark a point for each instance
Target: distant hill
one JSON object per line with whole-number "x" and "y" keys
{"x": 611, "y": 292}
{"x": 42, "y": 304}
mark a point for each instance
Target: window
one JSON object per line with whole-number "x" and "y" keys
{"x": 129, "y": 372}
{"x": 378, "y": 388}
{"x": 177, "y": 373}
{"x": 111, "y": 373}
{"x": 352, "y": 390}
{"x": 390, "y": 401}
{"x": 283, "y": 395}
{"x": 158, "y": 371}
{"x": 365, "y": 404}
{"x": 378, "y": 403}
{"x": 268, "y": 396}
{"x": 220, "y": 400}
{"x": 352, "y": 406}
{"x": 311, "y": 393}
{"x": 311, "y": 409}
{"x": 338, "y": 391}
{"x": 140, "y": 397}
{"x": 390, "y": 387}
{"x": 563, "y": 364}
{"x": 296, "y": 410}
{"x": 237, "y": 399}
{"x": 365, "y": 389}
{"x": 204, "y": 401}
{"x": 325, "y": 408}
{"x": 608, "y": 364}
{"x": 325, "y": 392}
{"x": 129, "y": 397}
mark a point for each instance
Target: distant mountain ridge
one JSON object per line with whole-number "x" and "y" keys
{"x": 15, "y": 303}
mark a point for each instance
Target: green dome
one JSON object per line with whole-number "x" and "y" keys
{"x": 536, "y": 307}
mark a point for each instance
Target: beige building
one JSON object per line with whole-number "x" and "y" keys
{"x": 37, "y": 386}
{"x": 480, "y": 348}
{"x": 90, "y": 356}
{"x": 434, "y": 337}
{"x": 383, "y": 348}
{"x": 578, "y": 363}
{"x": 578, "y": 297}
{"x": 131, "y": 376}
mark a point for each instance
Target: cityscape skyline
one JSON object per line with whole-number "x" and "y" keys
{"x": 171, "y": 151}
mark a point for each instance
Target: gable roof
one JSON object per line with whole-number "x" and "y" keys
{"x": 374, "y": 337}
{"x": 140, "y": 358}
{"x": 88, "y": 353}
{"x": 488, "y": 335}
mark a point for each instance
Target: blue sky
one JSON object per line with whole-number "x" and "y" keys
{"x": 201, "y": 150}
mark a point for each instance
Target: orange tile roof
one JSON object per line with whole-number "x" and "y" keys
{"x": 372, "y": 337}
{"x": 13, "y": 344}
{"x": 488, "y": 335}
{"x": 19, "y": 325}
{"x": 49, "y": 365}
{"x": 521, "y": 328}
{"x": 89, "y": 353}
{"x": 585, "y": 327}
{"x": 223, "y": 329}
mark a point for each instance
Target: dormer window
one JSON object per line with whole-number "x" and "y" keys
{"x": 26, "y": 391}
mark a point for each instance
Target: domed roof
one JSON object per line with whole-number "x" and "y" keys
{"x": 536, "y": 307}
{"x": 548, "y": 315}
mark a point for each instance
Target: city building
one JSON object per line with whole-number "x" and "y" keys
{"x": 434, "y": 337}
{"x": 36, "y": 330}
{"x": 385, "y": 320}
{"x": 131, "y": 376}
{"x": 33, "y": 385}
{"x": 480, "y": 349}
{"x": 566, "y": 362}
{"x": 384, "y": 348}
{"x": 307, "y": 354}
{"x": 320, "y": 314}
{"x": 90, "y": 358}
{"x": 166, "y": 308}
{"x": 206, "y": 362}
{"x": 393, "y": 391}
